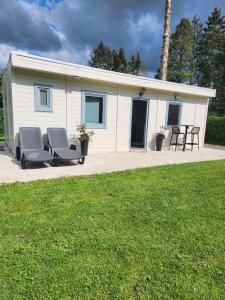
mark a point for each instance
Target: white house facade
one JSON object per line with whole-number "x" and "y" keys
{"x": 124, "y": 111}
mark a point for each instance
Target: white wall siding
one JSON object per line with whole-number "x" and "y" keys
{"x": 8, "y": 106}
{"x": 152, "y": 120}
{"x": 201, "y": 117}
{"x": 104, "y": 138}
{"x": 125, "y": 97}
{"x": 24, "y": 112}
{"x": 67, "y": 109}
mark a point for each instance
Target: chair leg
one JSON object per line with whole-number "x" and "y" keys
{"x": 81, "y": 161}
{"x": 170, "y": 141}
{"x": 192, "y": 141}
{"x": 23, "y": 164}
{"x": 176, "y": 142}
{"x": 198, "y": 141}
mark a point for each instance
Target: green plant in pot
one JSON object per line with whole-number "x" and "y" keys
{"x": 84, "y": 138}
{"x": 160, "y": 136}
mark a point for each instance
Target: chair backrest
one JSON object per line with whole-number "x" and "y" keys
{"x": 58, "y": 138}
{"x": 195, "y": 130}
{"x": 30, "y": 138}
{"x": 175, "y": 130}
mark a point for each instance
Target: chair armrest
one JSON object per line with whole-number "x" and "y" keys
{"x": 73, "y": 147}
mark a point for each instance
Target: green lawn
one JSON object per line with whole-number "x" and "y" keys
{"x": 154, "y": 233}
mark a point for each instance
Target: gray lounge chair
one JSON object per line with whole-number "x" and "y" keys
{"x": 32, "y": 147}
{"x": 60, "y": 146}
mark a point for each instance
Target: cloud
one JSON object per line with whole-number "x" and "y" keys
{"x": 69, "y": 29}
{"x": 68, "y": 53}
{"x": 5, "y": 52}
{"x": 23, "y": 26}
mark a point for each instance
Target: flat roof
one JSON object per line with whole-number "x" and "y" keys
{"x": 43, "y": 64}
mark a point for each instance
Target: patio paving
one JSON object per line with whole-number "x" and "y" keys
{"x": 10, "y": 170}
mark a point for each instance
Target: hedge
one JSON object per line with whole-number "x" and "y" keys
{"x": 215, "y": 130}
{"x": 1, "y": 122}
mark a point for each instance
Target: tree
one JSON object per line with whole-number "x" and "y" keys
{"x": 1, "y": 94}
{"x": 120, "y": 62}
{"x": 212, "y": 57}
{"x": 136, "y": 65}
{"x": 196, "y": 37}
{"x": 184, "y": 52}
{"x": 101, "y": 57}
{"x": 181, "y": 53}
{"x": 166, "y": 42}
{"x": 105, "y": 58}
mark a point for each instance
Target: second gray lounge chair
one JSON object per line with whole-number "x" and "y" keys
{"x": 60, "y": 146}
{"x": 31, "y": 146}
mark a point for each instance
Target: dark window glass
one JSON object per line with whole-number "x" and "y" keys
{"x": 173, "y": 114}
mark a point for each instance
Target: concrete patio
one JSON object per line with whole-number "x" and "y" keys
{"x": 10, "y": 170}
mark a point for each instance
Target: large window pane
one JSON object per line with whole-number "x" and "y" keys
{"x": 173, "y": 114}
{"x": 93, "y": 110}
{"x": 43, "y": 97}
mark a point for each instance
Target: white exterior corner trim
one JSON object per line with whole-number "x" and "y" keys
{"x": 37, "y": 63}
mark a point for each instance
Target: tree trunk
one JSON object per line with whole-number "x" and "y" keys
{"x": 166, "y": 42}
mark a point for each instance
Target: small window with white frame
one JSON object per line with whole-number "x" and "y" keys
{"x": 173, "y": 113}
{"x": 94, "y": 109}
{"x": 43, "y": 97}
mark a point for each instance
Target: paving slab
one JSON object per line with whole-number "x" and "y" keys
{"x": 10, "y": 170}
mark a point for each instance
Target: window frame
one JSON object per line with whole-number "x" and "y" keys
{"x": 104, "y": 96}
{"x": 180, "y": 103}
{"x": 37, "y": 98}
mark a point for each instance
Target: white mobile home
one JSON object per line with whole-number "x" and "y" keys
{"x": 125, "y": 111}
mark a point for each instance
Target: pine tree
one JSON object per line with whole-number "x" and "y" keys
{"x": 212, "y": 57}
{"x": 135, "y": 65}
{"x": 1, "y": 94}
{"x": 196, "y": 37}
{"x": 181, "y": 53}
{"x": 101, "y": 57}
{"x": 105, "y": 58}
{"x": 120, "y": 61}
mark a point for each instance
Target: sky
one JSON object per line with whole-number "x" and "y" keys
{"x": 69, "y": 29}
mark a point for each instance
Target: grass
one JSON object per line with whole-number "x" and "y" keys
{"x": 154, "y": 233}
{"x": 2, "y": 138}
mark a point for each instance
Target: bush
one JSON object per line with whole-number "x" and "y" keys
{"x": 215, "y": 130}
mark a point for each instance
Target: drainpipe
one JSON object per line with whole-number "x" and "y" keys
{"x": 117, "y": 110}
{"x": 195, "y": 113}
{"x": 205, "y": 122}
{"x": 66, "y": 102}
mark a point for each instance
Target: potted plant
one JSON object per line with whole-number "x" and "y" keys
{"x": 84, "y": 138}
{"x": 160, "y": 136}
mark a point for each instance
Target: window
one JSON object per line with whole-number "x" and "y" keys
{"x": 94, "y": 110}
{"x": 43, "y": 98}
{"x": 173, "y": 117}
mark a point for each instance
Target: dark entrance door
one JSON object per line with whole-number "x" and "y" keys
{"x": 138, "y": 127}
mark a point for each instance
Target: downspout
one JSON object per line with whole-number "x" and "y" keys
{"x": 206, "y": 114}
{"x": 156, "y": 121}
{"x": 117, "y": 110}
{"x": 195, "y": 113}
{"x": 66, "y": 102}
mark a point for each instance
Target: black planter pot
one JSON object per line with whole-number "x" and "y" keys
{"x": 159, "y": 141}
{"x": 84, "y": 147}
